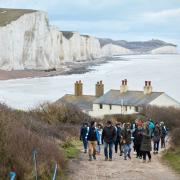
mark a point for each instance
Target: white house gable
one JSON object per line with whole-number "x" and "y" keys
{"x": 165, "y": 101}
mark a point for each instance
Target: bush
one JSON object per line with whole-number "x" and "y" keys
{"x": 61, "y": 113}
{"x": 43, "y": 130}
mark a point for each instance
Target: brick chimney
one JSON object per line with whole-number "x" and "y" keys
{"x": 99, "y": 89}
{"x": 78, "y": 88}
{"x": 147, "y": 88}
{"x": 124, "y": 87}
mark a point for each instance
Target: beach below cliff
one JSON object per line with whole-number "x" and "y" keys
{"x": 79, "y": 67}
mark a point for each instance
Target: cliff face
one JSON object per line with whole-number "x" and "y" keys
{"x": 111, "y": 50}
{"x": 165, "y": 50}
{"x": 27, "y": 41}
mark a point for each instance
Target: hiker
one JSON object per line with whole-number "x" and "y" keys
{"x": 163, "y": 134}
{"x": 93, "y": 138}
{"x": 100, "y": 129}
{"x": 83, "y": 136}
{"x": 138, "y": 140}
{"x": 156, "y": 138}
{"x": 109, "y": 137}
{"x": 146, "y": 142}
{"x": 118, "y": 141}
{"x": 151, "y": 126}
{"x": 126, "y": 134}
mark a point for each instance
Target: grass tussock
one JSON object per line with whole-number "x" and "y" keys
{"x": 46, "y": 130}
{"x": 173, "y": 157}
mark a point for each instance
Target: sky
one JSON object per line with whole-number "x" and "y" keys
{"x": 130, "y": 20}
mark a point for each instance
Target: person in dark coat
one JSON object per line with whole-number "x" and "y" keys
{"x": 108, "y": 138}
{"x": 83, "y": 136}
{"x": 146, "y": 143}
{"x": 118, "y": 138}
{"x": 127, "y": 135}
{"x": 138, "y": 134}
{"x": 163, "y": 134}
{"x": 93, "y": 138}
{"x": 156, "y": 138}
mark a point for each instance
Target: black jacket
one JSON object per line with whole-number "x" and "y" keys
{"x": 109, "y": 134}
{"x": 93, "y": 134}
{"x": 126, "y": 136}
{"x": 138, "y": 135}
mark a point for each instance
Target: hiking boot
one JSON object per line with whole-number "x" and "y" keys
{"x": 94, "y": 157}
{"x": 125, "y": 158}
{"x": 129, "y": 156}
{"x": 106, "y": 158}
{"x": 120, "y": 154}
{"x": 90, "y": 158}
{"x": 110, "y": 159}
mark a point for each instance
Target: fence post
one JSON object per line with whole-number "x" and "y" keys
{"x": 35, "y": 164}
{"x": 55, "y": 172}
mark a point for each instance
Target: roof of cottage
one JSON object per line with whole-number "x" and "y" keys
{"x": 130, "y": 98}
{"x": 84, "y": 102}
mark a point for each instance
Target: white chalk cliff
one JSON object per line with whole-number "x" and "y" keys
{"x": 165, "y": 50}
{"x": 112, "y": 50}
{"x": 27, "y": 41}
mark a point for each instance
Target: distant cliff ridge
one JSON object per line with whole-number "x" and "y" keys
{"x": 138, "y": 46}
{"x": 27, "y": 41}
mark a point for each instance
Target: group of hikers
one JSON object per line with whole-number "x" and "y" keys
{"x": 123, "y": 136}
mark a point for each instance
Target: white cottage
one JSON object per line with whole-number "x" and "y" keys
{"x": 122, "y": 101}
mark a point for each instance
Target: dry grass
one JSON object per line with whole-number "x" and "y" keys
{"x": 43, "y": 130}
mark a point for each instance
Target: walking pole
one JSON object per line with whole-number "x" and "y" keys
{"x": 55, "y": 172}
{"x": 35, "y": 164}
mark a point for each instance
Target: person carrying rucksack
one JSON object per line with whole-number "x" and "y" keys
{"x": 93, "y": 138}
{"x": 127, "y": 139}
{"x": 83, "y": 136}
{"x": 163, "y": 134}
{"x": 156, "y": 138}
{"x": 118, "y": 138}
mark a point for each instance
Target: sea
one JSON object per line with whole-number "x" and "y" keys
{"x": 162, "y": 70}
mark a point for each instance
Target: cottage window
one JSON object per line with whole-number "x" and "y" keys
{"x": 126, "y": 108}
{"x": 110, "y": 106}
{"x": 100, "y": 106}
{"x": 136, "y": 109}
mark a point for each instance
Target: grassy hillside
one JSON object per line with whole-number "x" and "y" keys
{"x": 9, "y": 15}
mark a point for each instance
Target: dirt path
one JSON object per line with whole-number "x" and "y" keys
{"x": 119, "y": 169}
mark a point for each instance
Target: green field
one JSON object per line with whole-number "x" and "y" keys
{"x": 172, "y": 156}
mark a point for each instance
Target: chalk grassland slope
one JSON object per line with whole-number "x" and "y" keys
{"x": 50, "y": 130}
{"x": 9, "y": 15}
